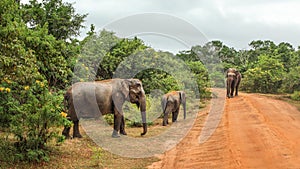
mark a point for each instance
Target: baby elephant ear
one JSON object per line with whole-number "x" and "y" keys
{"x": 125, "y": 87}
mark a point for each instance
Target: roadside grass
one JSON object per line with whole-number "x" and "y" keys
{"x": 83, "y": 153}
{"x": 284, "y": 97}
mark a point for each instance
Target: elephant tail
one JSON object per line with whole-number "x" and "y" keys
{"x": 67, "y": 97}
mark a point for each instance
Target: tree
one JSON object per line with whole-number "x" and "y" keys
{"x": 55, "y": 25}
{"x": 265, "y": 77}
{"x": 226, "y": 54}
{"x": 102, "y": 54}
{"x": 209, "y": 55}
{"x": 117, "y": 53}
{"x": 60, "y": 18}
{"x": 29, "y": 107}
{"x": 291, "y": 81}
{"x": 285, "y": 53}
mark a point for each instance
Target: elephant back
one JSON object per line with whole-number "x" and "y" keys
{"x": 172, "y": 98}
{"x": 85, "y": 99}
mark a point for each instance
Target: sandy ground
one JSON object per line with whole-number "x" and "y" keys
{"x": 254, "y": 132}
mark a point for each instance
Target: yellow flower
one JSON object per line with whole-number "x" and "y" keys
{"x": 63, "y": 114}
{"x": 42, "y": 84}
{"x": 7, "y": 90}
{"x": 86, "y": 68}
{"x": 26, "y": 87}
{"x": 1, "y": 89}
{"x": 81, "y": 80}
{"x": 7, "y": 80}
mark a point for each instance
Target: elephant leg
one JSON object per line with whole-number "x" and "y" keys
{"x": 122, "y": 126}
{"x": 232, "y": 86}
{"x": 236, "y": 88}
{"x": 76, "y": 132}
{"x": 66, "y": 132}
{"x": 228, "y": 92}
{"x": 228, "y": 88}
{"x": 117, "y": 124}
{"x": 165, "y": 120}
{"x": 175, "y": 115}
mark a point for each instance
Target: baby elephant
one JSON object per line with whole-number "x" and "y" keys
{"x": 171, "y": 103}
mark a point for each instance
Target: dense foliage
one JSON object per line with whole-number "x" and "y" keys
{"x": 40, "y": 57}
{"x": 34, "y": 67}
{"x": 271, "y": 68}
{"x": 106, "y": 56}
{"x": 265, "y": 67}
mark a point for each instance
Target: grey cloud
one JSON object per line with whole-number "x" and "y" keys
{"x": 234, "y": 22}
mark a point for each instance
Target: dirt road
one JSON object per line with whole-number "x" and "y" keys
{"x": 254, "y": 132}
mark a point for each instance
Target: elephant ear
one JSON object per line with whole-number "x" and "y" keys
{"x": 125, "y": 87}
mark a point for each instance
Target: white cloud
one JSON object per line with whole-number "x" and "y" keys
{"x": 278, "y": 12}
{"x": 235, "y": 22}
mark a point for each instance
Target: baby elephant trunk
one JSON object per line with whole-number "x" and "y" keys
{"x": 143, "y": 114}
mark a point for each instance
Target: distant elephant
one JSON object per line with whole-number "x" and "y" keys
{"x": 85, "y": 99}
{"x": 171, "y": 103}
{"x": 233, "y": 81}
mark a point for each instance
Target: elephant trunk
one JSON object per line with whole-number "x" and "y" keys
{"x": 183, "y": 102}
{"x": 184, "y": 110}
{"x": 144, "y": 128}
{"x": 143, "y": 114}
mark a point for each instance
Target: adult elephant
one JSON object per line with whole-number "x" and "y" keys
{"x": 233, "y": 81}
{"x": 93, "y": 99}
{"x": 171, "y": 103}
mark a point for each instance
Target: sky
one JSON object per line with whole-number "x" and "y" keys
{"x": 234, "y": 22}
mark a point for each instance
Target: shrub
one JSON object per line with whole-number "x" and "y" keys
{"x": 266, "y": 77}
{"x": 33, "y": 67}
{"x": 291, "y": 80}
{"x": 133, "y": 115}
{"x": 296, "y": 96}
{"x": 109, "y": 118}
{"x": 32, "y": 116}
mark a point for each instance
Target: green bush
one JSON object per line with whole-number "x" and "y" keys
{"x": 266, "y": 77}
{"x": 109, "y": 118}
{"x": 34, "y": 66}
{"x": 291, "y": 80}
{"x": 296, "y": 96}
{"x": 133, "y": 115}
{"x": 32, "y": 116}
